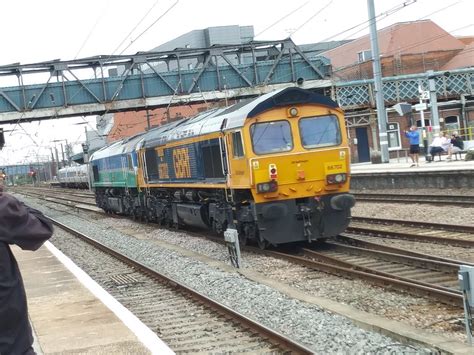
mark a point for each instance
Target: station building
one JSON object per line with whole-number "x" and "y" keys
{"x": 405, "y": 48}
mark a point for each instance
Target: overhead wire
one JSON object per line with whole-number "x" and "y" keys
{"x": 312, "y": 17}
{"x": 77, "y": 53}
{"x": 384, "y": 14}
{"x": 421, "y": 18}
{"x": 99, "y": 18}
{"x": 151, "y": 25}
{"x": 387, "y": 13}
{"x": 135, "y": 27}
{"x": 281, "y": 19}
{"x": 392, "y": 11}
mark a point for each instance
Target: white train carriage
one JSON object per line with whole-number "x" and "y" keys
{"x": 74, "y": 177}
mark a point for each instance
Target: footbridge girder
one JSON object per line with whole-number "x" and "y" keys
{"x": 102, "y": 84}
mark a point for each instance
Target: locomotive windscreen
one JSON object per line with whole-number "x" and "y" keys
{"x": 320, "y": 131}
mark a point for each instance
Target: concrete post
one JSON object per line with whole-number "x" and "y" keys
{"x": 381, "y": 113}
{"x": 433, "y": 102}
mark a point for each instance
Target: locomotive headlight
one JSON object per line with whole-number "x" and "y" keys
{"x": 264, "y": 187}
{"x": 340, "y": 178}
{"x": 292, "y": 112}
{"x": 336, "y": 178}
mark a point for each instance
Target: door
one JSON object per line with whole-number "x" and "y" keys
{"x": 363, "y": 150}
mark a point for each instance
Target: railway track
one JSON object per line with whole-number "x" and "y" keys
{"x": 50, "y": 190}
{"x": 426, "y": 225}
{"x": 454, "y": 200}
{"x": 66, "y": 198}
{"x": 412, "y": 272}
{"x": 185, "y": 319}
{"x": 415, "y": 273}
{"x": 462, "y": 236}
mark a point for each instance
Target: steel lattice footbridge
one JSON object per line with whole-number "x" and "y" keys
{"x": 101, "y": 84}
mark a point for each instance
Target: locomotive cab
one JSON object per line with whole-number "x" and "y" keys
{"x": 297, "y": 169}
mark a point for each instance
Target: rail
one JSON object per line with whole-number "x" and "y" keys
{"x": 275, "y": 337}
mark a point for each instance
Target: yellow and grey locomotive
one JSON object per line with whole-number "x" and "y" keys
{"x": 275, "y": 167}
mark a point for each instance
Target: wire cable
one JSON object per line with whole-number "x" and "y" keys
{"x": 384, "y": 14}
{"x": 92, "y": 29}
{"x": 312, "y": 17}
{"x": 135, "y": 27}
{"x": 281, "y": 19}
{"x": 150, "y": 26}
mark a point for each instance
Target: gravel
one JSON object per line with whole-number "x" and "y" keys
{"x": 316, "y": 328}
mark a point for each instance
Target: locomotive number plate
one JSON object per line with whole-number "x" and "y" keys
{"x": 335, "y": 167}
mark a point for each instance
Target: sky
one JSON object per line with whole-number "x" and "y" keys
{"x": 35, "y": 31}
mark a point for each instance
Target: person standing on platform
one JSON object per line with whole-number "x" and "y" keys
{"x": 414, "y": 137}
{"x": 29, "y": 229}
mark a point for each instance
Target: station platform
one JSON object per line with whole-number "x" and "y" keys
{"x": 70, "y": 313}
{"x": 404, "y": 164}
{"x": 399, "y": 173}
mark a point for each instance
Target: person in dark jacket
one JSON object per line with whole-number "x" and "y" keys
{"x": 29, "y": 229}
{"x": 456, "y": 146}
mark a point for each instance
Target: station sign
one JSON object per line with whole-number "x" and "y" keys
{"x": 424, "y": 95}
{"x": 420, "y": 107}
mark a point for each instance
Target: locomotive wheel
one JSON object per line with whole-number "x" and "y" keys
{"x": 243, "y": 239}
{"x": 262, "y": 244}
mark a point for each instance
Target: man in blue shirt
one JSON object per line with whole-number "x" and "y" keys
{"x": 414, "y": 136}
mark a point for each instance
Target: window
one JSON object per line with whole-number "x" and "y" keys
{"x": 320, "y": 131}
{"x": 452, "y": 123}
{"x": 237, "y": 147}
{"x": 364, "y": 56}
{"x": 271, "y": 137}
{"x": 393, "y": 135}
